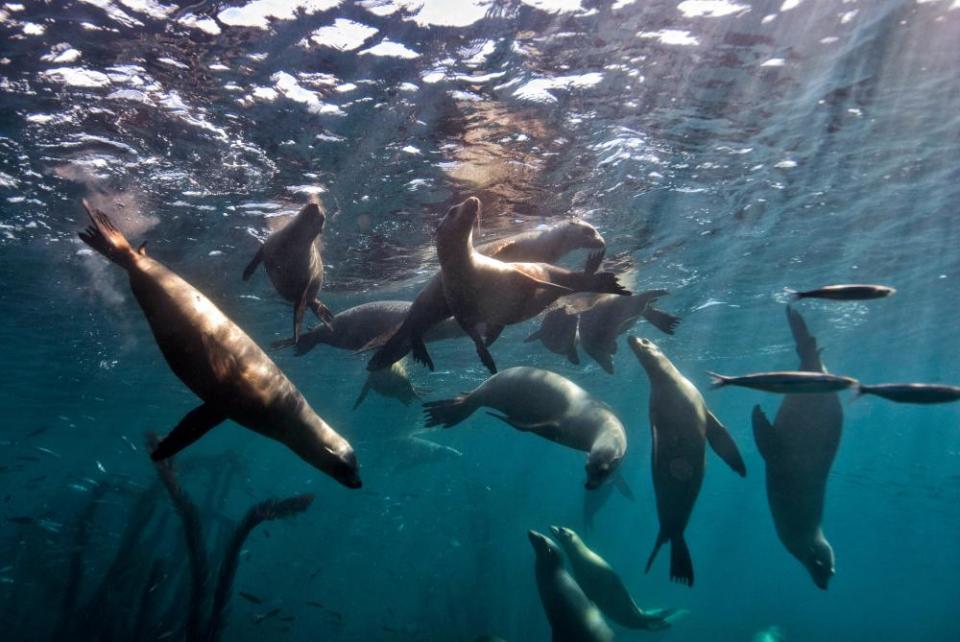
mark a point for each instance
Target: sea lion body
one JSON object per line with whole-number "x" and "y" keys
{"x": 548, "y": 405}
{"x": 293, "y": 264}
{"x": 392, "y": 383}
{"x": 430, "y": 306}
{"x": 604, "y": 587}
{"x": 558, "y": 333}
{"x": 221, "y": 364}
{"x": 572, "y": 616}
{"x": 612, "y": 315}
{"x": 484, "y": 291}
{"x": 681, "y": 426}
{"x": 799, "y": 449}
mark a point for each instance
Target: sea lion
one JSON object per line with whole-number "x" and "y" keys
{"x": 611, "y": 315}
{"x": 293, "y": 263}
{"x": 786, "y": 382}
{"x": 430, "y": 306}
{"x": 391, "y": 383}
{"x": 354, "y": 328}
{"x": 681, "y": 425}
{"x": 604, "y": 587}
{"x": 558, "y": 333}
{"x": 594, "y": 500}
{"x": 572, "y": 616}
{"x": 548, "y": 405}
{"x": 799, "y": 449}
{"x": 487, "y": 291}
{"x": 219, "y": 363}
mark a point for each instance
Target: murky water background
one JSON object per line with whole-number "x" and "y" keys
{"x": 725, "y": 148}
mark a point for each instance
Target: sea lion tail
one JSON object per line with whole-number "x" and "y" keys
{"x": 681, "y": 566}
{"x": 717, "y": 380}
{"x": 447, "y": 412}
{"x": 104, "y": 237}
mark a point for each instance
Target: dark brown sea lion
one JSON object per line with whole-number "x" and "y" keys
{"x": 233, "y": 377}
{"x": 430, "y": 306}
{"x": 681, "y": 425}
{"x": 294, "y": 265}
{"x": 483, "y": 291}
{"x": 799, "y": 449}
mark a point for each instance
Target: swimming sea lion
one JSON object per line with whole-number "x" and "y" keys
{"x": 558, "y": 333}
{"x": 219, "y": 363}
{"x": 548, "y": 405}
{"x": 293, "y": 263}
{"x": 573, "y": 617}
{"x": 604, "y": 587}
{"x": 799, "y": 449}
{"x": 681, "y": 426}
{"x": 611, "y": 315}
{"x": 430, "y": 306}
{"x": 482, "y": 290}
{"x": 392, "y": 383}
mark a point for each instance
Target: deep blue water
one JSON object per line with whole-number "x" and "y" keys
{"x": 726, "y": 149}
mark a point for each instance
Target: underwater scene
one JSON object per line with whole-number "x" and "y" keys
{"x": 480, "y": 320}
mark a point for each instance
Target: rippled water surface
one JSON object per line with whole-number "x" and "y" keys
{"x": 726, "y": 149}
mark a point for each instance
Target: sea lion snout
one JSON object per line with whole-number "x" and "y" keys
{"x": 312, "y": 213}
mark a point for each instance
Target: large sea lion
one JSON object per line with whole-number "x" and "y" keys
{"x": 558, "y": 333}
{"x": 572, "y": 616}
{"x": 681, "y": 426}
{"x": 430, "y": 306}
{"x": 799, "y": 449}
{"x": 604, "y": 587}
{"x": 611, "y": 315}
{"x": 233, "y": 377}
{"x": 482, "y": 291}
{"x": 293, "y": 263}
{"x": 548, "y": 405}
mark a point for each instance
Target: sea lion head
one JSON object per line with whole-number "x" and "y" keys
{"x": 601, "y": 462}
{"x": 311, "y": 217}
{"x": 649, "y": 355}
{"x": 323, "y": 448}
{"x": 578, "y": 234}
{"x": 459, "y": 221}
{"x": 819, "y": 562}
{"x": 566, "y": 536}
{"x": 545, "y": 548}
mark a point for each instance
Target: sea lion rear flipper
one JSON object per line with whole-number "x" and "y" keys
{"x": 192, "y": 427}
{"x": 623, "y": 487}
{"x": 806, "y": 343}
{"x": 681, "y": 565}
{"x": 485, "y": 357}
{"x": 253, "y": 264}
{"x": 363, "y": 394}
{"x": 491, "y": 333}
{"x": 420, "y": 354}
{"x": 661, "y": 540}
{"x": 723, "y": 444}
{"x": 572, "y": 355}
{"x": 666, "y": 323}
{"x": 323, "y": 312}
{"x": 763, "y": 434}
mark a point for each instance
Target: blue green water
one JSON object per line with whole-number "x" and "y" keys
{"x": 726, "y": 149}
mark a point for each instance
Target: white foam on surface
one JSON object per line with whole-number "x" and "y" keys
{"x": 671, "y": 37}
{"x": 76, "y": 77}
{"x": 539, "y": 90}
{"x": 388, "y": 48}
{"x": 711, "y": 8}
{"x": 343, "y": 35}
{"x": 258, "y": 13}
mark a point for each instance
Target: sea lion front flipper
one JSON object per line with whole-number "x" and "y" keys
{"x": 666, "y": 323}
{"x": 623, "y": 487}
{"x": 485, "y": 357}
{"x": 491, "y": 333}
{"x": 594, "y": 261}
{"x": 572, "y": 355}
{"x": 299, "y": 309}
{"x": 605, "y": 360}
{"x": 542, "y": 428}
{"x": 363, "y": 394}
{"x": 764, "y": 434}
{"x": 323, "y": 312}
{"x": 253, "y": 264}
{"x": 192, "y": 427}
{"x": 419, "y": 350}
{"x": 723, "y": 444}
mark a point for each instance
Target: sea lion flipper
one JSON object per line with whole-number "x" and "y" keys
{"x": 535, "y": 336}
{"x": 363, "y": 394}
{"x": 666, "y": 323}
{"x": 605, "y": 360}
{"x": 572, "y": 355}
{"x": 253, "y": 264}
{"x": 491, "y": 333}
{"x": 485, "y": 357}
{"x": 419, "y": 350}
{"x": 763, "y": 434}
{"x": 623, "y": 487}
{"x": 560, "y": 290}
{"x": 723, "y": 444}
{"x": 594, "y": 261}
{"x": 681, "y": 565}
{"x": 323, "y": 312}
{"x": 192, "y": 427}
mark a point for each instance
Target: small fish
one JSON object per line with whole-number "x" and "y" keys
{"x": 922, "y": 393}
{"x": 129, "y": 443}
{"x": 100, "y": 467}
{"x": 800, "y": 382}
{"x": 250, "y": 597}
{"x": 260, "y": 617}
{"x": 48, "y": 452}
{"x": 845, "y": 292}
